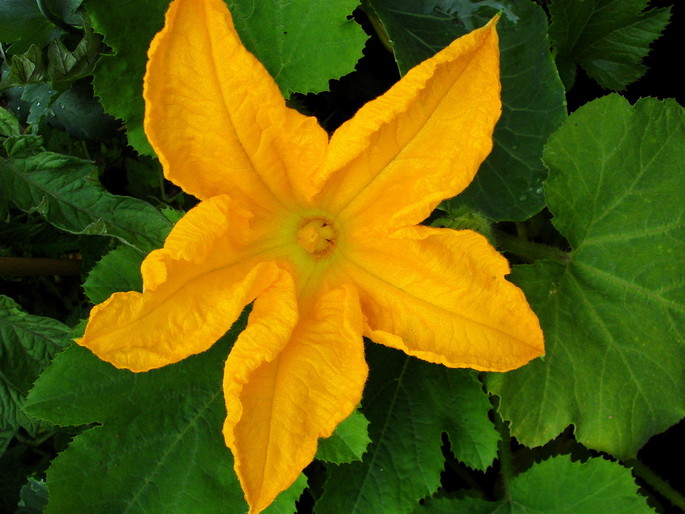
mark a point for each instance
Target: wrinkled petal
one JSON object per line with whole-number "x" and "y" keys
{"x": 288, "y": 382}
{"x": 420, "y": 142}
{"x": 194, "y": 289}
{"x": 215, "y": 117}
{"x": 455, "y": 308}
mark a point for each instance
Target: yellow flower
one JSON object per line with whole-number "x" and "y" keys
{"x": 322, "y": 234}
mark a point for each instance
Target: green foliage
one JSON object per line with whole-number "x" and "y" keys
{"x": 614, "y": 314}
{"x": 409, "y": 404}
{"x": 27, "y": 344}
{"x": 607, "y": 38}
{"x": 64, "y": 190}
{"x": 28, "y": 22}
{"x": 557, "y": 485}
{"x": 508, "y": 185}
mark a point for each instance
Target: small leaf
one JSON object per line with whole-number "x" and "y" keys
{"x": 557, "y": 485}
{"x": 614, "y": 315}
{"x": 28, "y": 67}
{"x": 9, "y": 126}
{"x": 119, "y": 270}
{"x": 27, "y": 344}
{"x": 62, "y": 189}
{"x": 348, "y": 443}
{"x": 409, "y": 404}
{"x": 607, "y": 38}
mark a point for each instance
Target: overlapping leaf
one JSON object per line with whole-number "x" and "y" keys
{"x": 348, "y": 443}
{"x": 23, "y": 23}
{"x": 303, "y": 45}
{"x": 614, "y": 315}
{"x": 63, "y": 189}
{"x": 27, "y": 344}
{"x": 608, "y": 38}
{"x": 409, "y": 404}
{"x": 508, "y": 185}
{"x": 557, "y": 485}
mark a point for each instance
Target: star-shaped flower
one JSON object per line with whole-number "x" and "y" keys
{"x": 321, "y": 233}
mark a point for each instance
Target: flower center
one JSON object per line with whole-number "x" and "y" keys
{"x": 317, "y": 236}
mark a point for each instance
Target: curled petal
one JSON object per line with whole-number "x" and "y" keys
{"x": 215, "y": 117}
{"x": 195, "y": 288}
{"x": 420, "y": 142}
{"x": 289, "y": 381}
{"x": 457, "y": 309}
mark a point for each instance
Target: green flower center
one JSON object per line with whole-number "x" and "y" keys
{"x": 317, "y": 236}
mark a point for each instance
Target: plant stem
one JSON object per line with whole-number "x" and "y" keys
{"x": 657, "y": 483}
{"x": 506, "y": 467}
{"x": 529, "y": 250}
{"x": 37, "y": 266}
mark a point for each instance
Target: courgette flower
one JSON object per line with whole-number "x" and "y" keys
{"x": 321, "y": 233}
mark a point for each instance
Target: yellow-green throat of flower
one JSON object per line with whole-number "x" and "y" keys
{"x": 317, "y": 236}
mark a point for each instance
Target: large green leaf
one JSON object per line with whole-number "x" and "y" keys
{"x": 614, "y": 315}
{"x": 302, "y": 44}
{"x": 27, "y": 344}
{"x": 63, "y": 189}
{"x": 557, "y": 485}
{"x": 508, "y": 185}
{"x": 607, "y": 38}
{"x": 159, "y": 447}
{"x": 409, "y": 404}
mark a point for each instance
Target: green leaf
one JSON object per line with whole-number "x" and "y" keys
{"x": 27, "y": 67}
{"x": 9, "y": 126}
{"x": 22, "y": 23}
{"x": 607, "y": 38}
{"x": 614, "y": 315}
{"x": 159, "y": 446}
{"x": 27, "y": 344}
{"x": 119, "y": 270}
{"x": 348, "y": 443}
{"x": 63, "y": 190}
{"x": 409, "y": 404}
{"x": 557, "y": 485}
{"x": 302, "y": 44}
{"x": 508, "y": 185}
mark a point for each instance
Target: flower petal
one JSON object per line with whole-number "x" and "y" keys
{"x": 194, "y": 289}
{"x": 216, "y": 118}
{"x": 420, "y": 142}
{"x": 289, "y": 382}
{"x": 440, "y": 295}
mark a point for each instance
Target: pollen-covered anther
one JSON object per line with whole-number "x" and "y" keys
{"x": 317, "y": 236}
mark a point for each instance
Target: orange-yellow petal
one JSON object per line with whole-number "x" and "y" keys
{"x": 288, "y": 382}
{"x": 215, "y": 117}
{"x": 440, "y": 295}
{"x": 420, "y": 142}
{"x": 194, "y": 289}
